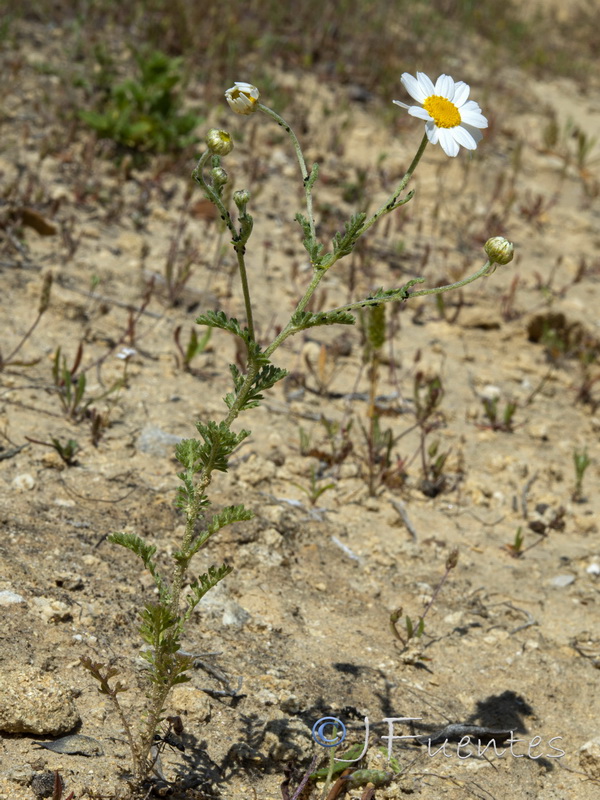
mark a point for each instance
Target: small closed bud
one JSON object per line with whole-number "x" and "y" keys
{"x": 219, "y": 177}
{"x": 242, "y": 98}
{"x": 499, "y": 250}
{"x": 45, "y": 295}
{"x": 395, "y": 615}
{"x": 219, "y": 142}
{"x": 241, "y": 199}
{"x": 452, "y": 559}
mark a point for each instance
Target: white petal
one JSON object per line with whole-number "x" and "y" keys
{"x": 475, "y": 133}
{"x": 420, "y": 113}
{"x": 473, "y": 118}
{"x": 447, "y": 141}
{"x": 464, "y": 138}
{"x": 425, "y": 84}
{"x": 470, "y": 105}
{"x": 400, "y": 103}
{"x": 461, "y": 93}
{"x": 413, "y": 88}
{"x": 432, "y": 131}
{"x": 444, "y": 87}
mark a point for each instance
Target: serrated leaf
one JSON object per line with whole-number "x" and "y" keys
{"x": 266, "y": 377}
{"x": 343, "y": 243}
{"x": 205, "y": 583}
{"x": 187, "y": 452}
{"x": 134, "y": 543}
{"x": 218, "y": 319}
{"x": 142, "y": 549}
{"x": 219, "y": 443}
{"x": 307, "y": 319}
{"x": 312, "y": 247}
{"x": 227, "y": 516}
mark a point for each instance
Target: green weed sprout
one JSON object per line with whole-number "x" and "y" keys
{"x": 416, "y": 631}
{"x": 164, "y": 619}
{"x": 581, "y": 462}
{"x": 44, "y": 303}
{"x": 144, "y": 115}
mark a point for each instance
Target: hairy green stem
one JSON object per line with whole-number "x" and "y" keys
{"x": 487, "y": 269}
{"x": 239, "y": 249}
{"x": 299, "y": 155}
{"x": 392, "y": 202}
{"x": 239, "y": 241}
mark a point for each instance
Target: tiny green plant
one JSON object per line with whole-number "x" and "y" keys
{"x": 194, "y": 347}
{"x": 379, "y": 443}
{"x": 516, "y": 548}
{"x": 416, "y": 630}
{"x": 165, "y": 617}
{"x": 11, "y": 359}
{"x": 313, "y": 491}
{"x": 581, "y": 461}
{"x": 495, "y": 421}
{"x": 70, "y": 386}
{"x": 67, "y": 451}
{"x": 143, "y": 115}
{"x": 428, "y": 393}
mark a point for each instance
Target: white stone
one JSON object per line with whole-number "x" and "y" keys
{"x": 8, "y": 598}
{"x": 24, "y": 482}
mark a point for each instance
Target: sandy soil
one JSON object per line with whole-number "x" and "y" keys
{"x": 302, "y": 625}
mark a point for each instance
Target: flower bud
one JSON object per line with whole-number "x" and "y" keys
{"x": 499, "y": 250}
{"x": 241, "y": 199}
{"x": 452, "y": 559}
{"x": 242, "y": 98}
{"x": 219, "y": 177}
{"x": 219, "y": 142}
{"x": 45, "y": 295}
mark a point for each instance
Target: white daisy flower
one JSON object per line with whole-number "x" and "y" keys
{"x": 126, "y": 353}
{"x": 242, "y": 97}
{"x": 450, "y": 119}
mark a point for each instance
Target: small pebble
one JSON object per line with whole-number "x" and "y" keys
{"x": 24, "y": 482}
{"x": 562, "y": 580}
{"x": 8, "y": 598}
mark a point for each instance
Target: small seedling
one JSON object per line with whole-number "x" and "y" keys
{"x": 490, "y": 409}
{"x": 143, "y": 115}
{"x": 66, "y": 451}
{"x": 10, "y": 360}
{"x": 415, "y": 631}
{"x": 516, "y": 548}
{"x": 195, "y": 346}
{"x": 314, "y": 491}
{"x": 380, "y": 443}
{"x": 581, "y": 461}
{"x": 71, "y": 385}
{"x": 428, "y": 393}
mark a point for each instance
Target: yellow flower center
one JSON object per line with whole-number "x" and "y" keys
{"x": 445, "y": 114}
{"x": 238, "y": 93}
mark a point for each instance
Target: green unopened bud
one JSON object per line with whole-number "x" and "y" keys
{"x": 242, "y": 98}
{"x": 219, "y": 142}
{"x": 219, "y": 177}
{"x": 241, "y": 199}
{"x": 452, "y": 559}
{"x": 45, "y": 295}
{"x": 499, "y": 250}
